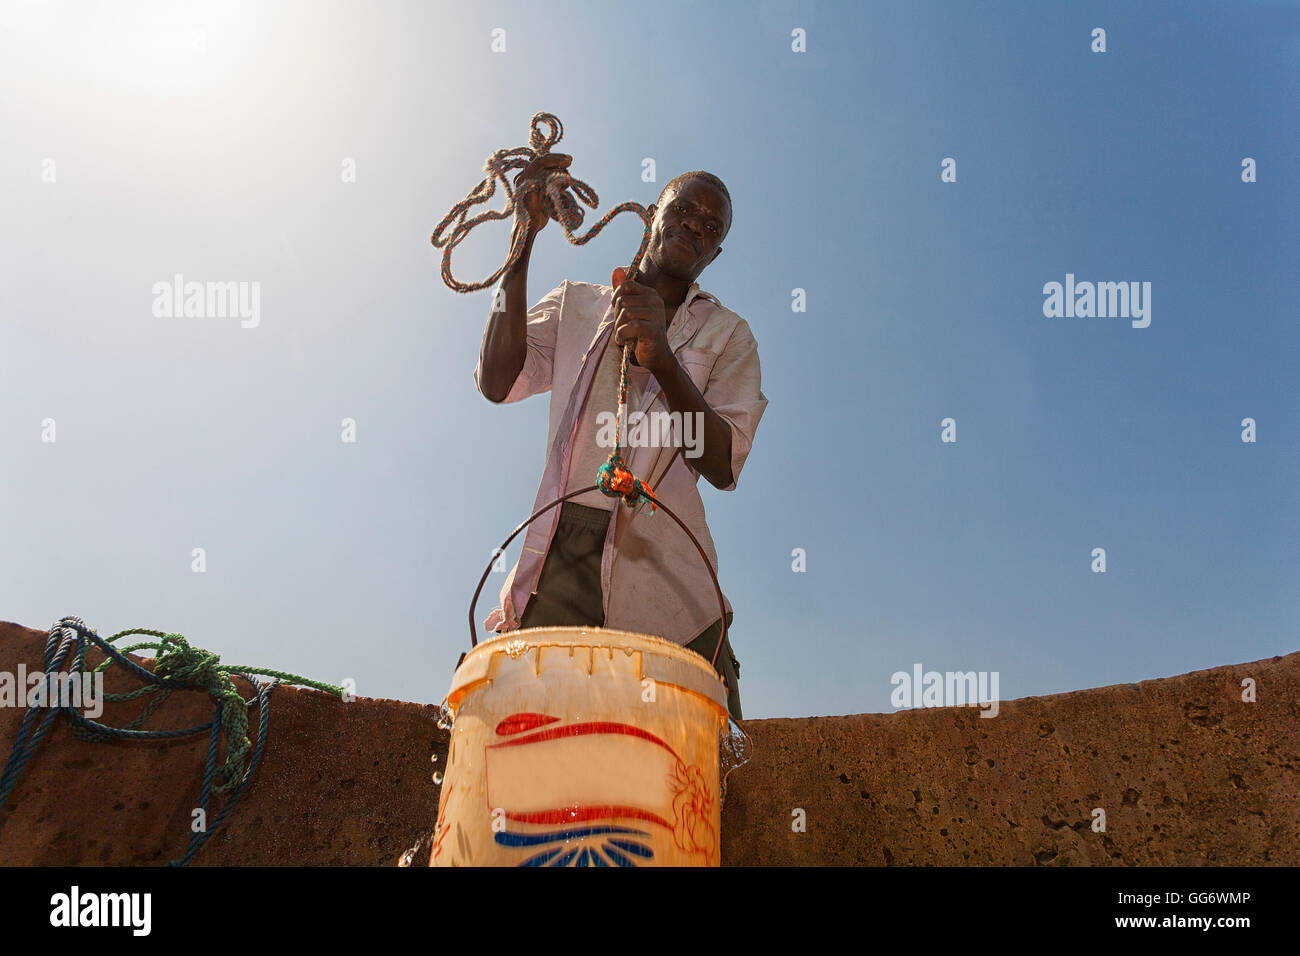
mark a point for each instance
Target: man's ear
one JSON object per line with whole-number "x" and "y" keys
{"x": 650, "y": 213}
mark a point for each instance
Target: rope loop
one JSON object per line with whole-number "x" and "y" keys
{"x": 540, "y": 143}
{"x": 562, "y": 200}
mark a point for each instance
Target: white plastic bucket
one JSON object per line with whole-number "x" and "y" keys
{"x": 582, "y": 747}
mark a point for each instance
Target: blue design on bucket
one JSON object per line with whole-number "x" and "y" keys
{"x": 617, "y": 850}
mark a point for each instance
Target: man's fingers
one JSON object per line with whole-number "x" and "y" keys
{"x": 629, "y": 285}
{"x": 540, "y": 164}
{"x": 632, "y": 328}
{"x": 547, "y": 162}
{"x": 628, "y": 311}
{"x": 623, "y": 329}
{"x": 629, "y": 297}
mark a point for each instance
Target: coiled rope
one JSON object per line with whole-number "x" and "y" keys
{"x": 560, "y": 196}
{"x": 560, "y": 201}
{"x": 178, "y": 666}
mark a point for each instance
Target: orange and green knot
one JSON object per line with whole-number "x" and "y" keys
{"x": 616, "y": 481}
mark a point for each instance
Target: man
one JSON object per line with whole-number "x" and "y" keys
{"x": 594, "y": 561}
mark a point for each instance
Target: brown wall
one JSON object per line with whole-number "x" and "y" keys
{"x": 1186, "y": 772}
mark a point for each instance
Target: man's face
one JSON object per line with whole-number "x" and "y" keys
{"x": 688, "y": 228}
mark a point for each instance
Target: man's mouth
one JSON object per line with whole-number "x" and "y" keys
{"x": 685, "y": 243}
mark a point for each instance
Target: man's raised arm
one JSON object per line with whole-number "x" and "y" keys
{"x": 505, "y": 340}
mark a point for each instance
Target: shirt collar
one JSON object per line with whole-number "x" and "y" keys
{"x": 695, "y": 292}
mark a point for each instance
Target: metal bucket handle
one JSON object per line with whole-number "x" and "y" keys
{"x": 722, "y": 606}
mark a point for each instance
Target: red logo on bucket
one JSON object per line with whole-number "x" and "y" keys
{"x": 518, "y": 723}
{"x": 555, "y": 774}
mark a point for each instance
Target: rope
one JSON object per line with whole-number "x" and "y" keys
{"x": 177, "y": 666}
{"x": 613, "y": 478}
{"x": 557, "y": 203}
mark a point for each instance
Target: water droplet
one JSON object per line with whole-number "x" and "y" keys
{"x": 420, "y": 848}
{"x": 446, "y": 717}
{"x": 734, "y": 751}
{"x": 437, "y": 778}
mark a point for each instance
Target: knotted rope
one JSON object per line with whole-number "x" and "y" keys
{"x": 178, "y": 666}
{"x": 613, "y": 479}
{"x": 557, "y": 203}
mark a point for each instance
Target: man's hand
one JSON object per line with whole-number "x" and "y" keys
{"x": 640, "y": 317}
{"x": 535, "y": 172}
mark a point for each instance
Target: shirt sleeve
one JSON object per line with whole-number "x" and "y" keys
{"x": 535, "y": 377}
{"x": 735, "y": 393}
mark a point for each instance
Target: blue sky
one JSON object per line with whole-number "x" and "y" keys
{"x": 208, "y": 140}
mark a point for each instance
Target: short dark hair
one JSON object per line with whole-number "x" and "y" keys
{"x": 678, "y": 181}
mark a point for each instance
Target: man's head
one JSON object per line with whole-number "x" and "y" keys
{"x": 691, "y": 218}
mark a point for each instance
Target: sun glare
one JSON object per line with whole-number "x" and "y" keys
{"x": 138, "y": 49}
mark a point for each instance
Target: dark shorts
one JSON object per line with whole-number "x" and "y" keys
{"x": 569, "y": 593}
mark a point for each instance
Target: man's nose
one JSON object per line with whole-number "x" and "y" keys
{"x": 689, "y": 222}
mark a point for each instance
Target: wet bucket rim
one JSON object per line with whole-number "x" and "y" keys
{"x": 703, "y": 680}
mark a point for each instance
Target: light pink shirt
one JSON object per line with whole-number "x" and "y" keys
{"x": 652, "y": 577}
